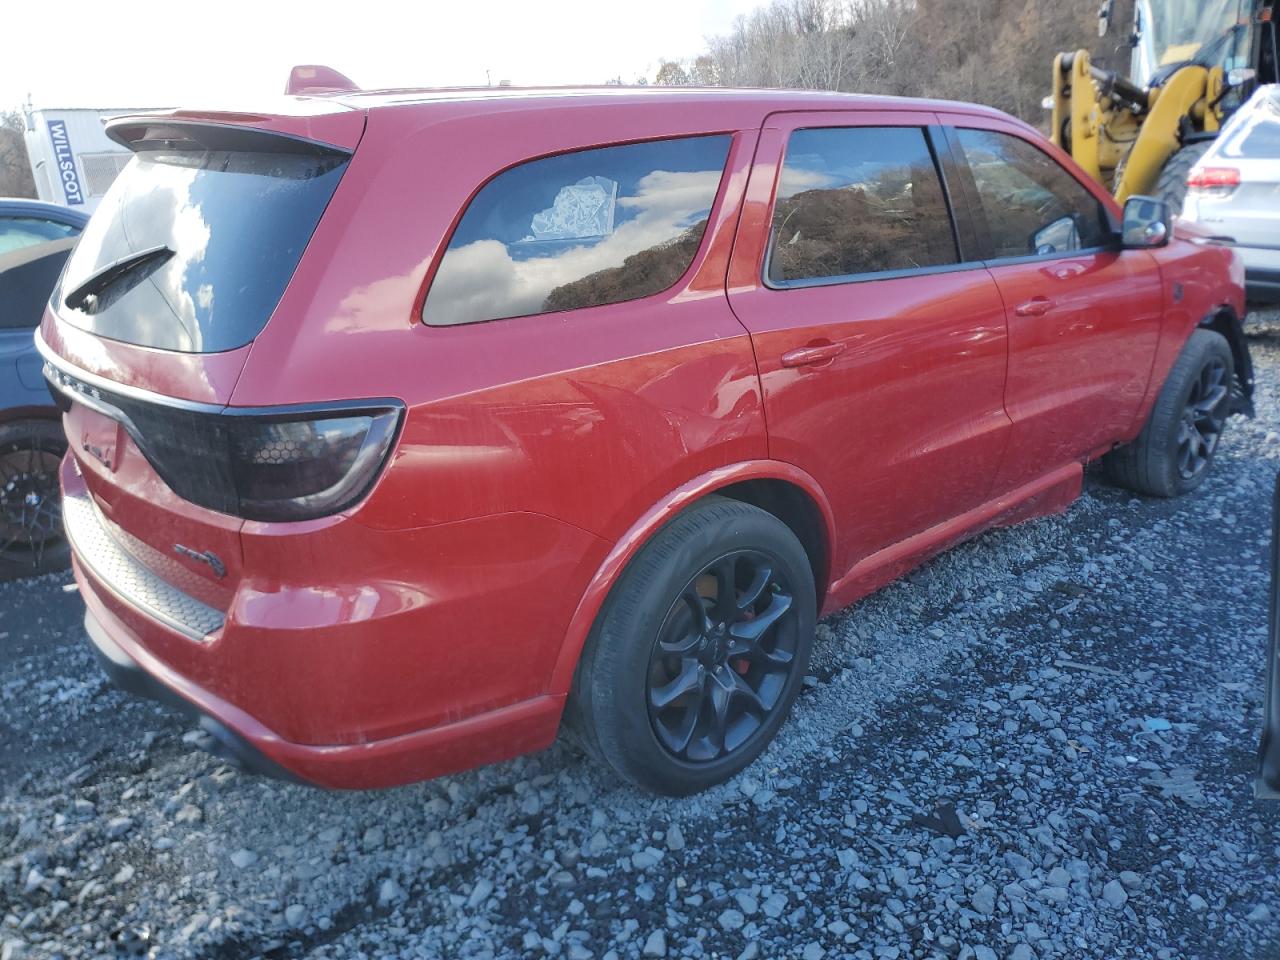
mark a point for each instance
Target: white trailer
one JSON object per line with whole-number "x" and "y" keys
{"x": 73, "y": 160}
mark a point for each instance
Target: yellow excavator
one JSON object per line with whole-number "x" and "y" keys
{"x": 1193, "y": 62}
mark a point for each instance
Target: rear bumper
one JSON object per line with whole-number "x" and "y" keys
{"x": 304, "y": 691}
{"x": 449, "y": 748}
{"x": 125, "y": 673}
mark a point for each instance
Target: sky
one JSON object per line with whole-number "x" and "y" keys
{"x": 144, "y": 53}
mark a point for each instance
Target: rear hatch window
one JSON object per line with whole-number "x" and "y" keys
{"x": 194, "y": 244}
{"x": 1255, "y": 134}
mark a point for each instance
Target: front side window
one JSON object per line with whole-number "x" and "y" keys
{"x": 19, "y": 232}
{"x": 579, "y": 230}
{"x": 1032, "y": 206}
{"x": 858, "y": 200}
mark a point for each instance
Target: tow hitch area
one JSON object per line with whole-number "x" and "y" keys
{"x": 1267, "y": 786}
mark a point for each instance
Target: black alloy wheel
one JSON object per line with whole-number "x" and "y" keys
{"x": 1203, "y": 419}
{"x": 1177, "y": 446}
{"x": 722, "y": 657}
{"x": 700, "y": 650}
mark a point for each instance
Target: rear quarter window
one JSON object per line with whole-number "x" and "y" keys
{"x": 579, "y": 229}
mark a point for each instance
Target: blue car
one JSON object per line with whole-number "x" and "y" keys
{"x": 35, "y": 240}
{"x": 24, "y": 223}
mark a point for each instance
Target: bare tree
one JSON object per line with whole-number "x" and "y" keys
{"x": 15, "y": 168}
{"x": 992, "y": 51}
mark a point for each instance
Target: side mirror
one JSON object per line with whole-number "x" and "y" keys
{"x": 1148, "y": 223}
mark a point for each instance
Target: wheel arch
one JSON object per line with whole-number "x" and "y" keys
{"x": 1226, "y": 322}
{"x": 778, "y": 488}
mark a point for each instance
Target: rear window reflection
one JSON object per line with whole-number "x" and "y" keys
{"x": 855, "y": 201}
{"x": 578, "y": 230}
{"x": 234, "y": 225}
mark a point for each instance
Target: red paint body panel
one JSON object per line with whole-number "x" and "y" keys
{"x": 1048, "y": 494}
{"x": 1080, "y": 364}
{"x": 1212, "y": 278}
{"x": 448, "y": 748}
{"x": 905, "y": 427}
{"x": 437, "y": 624}
{"x": 1078, "y": 374}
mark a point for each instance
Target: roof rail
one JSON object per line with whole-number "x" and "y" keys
{"x": 311, "y": 78}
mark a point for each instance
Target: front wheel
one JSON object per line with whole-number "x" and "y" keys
{"x": 1176, "y": 448}
{"x": 700, "y": 650}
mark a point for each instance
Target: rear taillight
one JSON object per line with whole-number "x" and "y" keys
{"x": 273, "y": 464}
{"x": 294, "y": 469}
{"x": 1213, "y": 181}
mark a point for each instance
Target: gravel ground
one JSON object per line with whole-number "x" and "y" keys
{"x": 1039, "y": 745}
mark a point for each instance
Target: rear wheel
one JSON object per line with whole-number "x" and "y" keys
{"x": 1176, "y": 448}
{"x": 700, "y": 651}
{"x": 31, "y": 537}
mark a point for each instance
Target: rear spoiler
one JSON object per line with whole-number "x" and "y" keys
{"x": 311, "y": 79}
{"x": 165, "y": 133}
{"x": 1267, "y": 786}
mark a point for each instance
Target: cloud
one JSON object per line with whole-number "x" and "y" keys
{"x": 797, "y": 180}
{"x": 482, "y": 281}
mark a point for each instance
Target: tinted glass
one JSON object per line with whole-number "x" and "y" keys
{"x": 27, "y": 277}
{"x": 1032, "y": 205}
{"x": 19, "y": 232}
{"x": 578, "y": 230}
{"x": 235, "y": 225}
{"x": 858, "y": 200}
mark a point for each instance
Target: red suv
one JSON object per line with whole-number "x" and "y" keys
{"x": 404, "y": 423}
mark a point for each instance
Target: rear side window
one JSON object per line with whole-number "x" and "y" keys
{"x": 1031, "y": 204}
{"x": 209, "y": 239}
{"x": 579, "y": 230}
{"x": 855, "y": 201}
{"x": 19, "y": 232}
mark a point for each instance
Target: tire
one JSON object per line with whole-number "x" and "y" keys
{"x": 1171, "y": 185}
{"x": 623, "y": 706}
{"x": 1195, "y": 397}
{"x": 31, "y": 537}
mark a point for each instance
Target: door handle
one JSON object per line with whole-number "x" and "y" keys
{"x": 813, "y": 355}
{"x": 1035, "y": 307}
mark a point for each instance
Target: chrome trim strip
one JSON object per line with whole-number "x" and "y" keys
{"x": 284, "y": 411}
{"x": 122, "y": 389}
